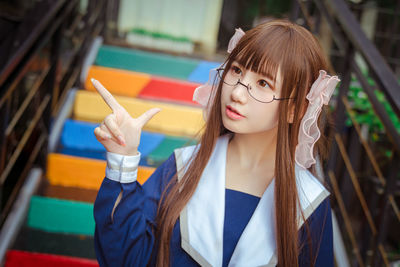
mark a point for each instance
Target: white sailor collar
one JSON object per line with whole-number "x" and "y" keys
{"x": 202, "y": 220}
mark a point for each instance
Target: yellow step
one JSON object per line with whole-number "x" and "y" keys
{"x": 173, "y": 119}
{"x": 80, "y": 172}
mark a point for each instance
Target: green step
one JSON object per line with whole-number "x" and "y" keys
{"x": 141, "y": 61}
{"x": 61, "y": 216}
{"x": 166, "y": 148}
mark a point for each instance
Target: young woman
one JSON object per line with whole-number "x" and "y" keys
{"x": 245, "y": 196}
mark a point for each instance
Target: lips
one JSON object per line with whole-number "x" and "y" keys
{"x": 233, "y": 113}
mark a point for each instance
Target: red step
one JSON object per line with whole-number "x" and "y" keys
{"x": 170, "y": 90}
{"x": 16, "y": 258}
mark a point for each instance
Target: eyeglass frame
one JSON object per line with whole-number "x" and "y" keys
{"x": 248, "y": 87}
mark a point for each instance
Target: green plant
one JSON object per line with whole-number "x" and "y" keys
{"x": 365, "y": 114}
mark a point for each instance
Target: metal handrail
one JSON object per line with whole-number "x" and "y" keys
{"x": 34, "y": 45}
{"x": 27, "y": 45}
{"x": 375, "y": 61}
{"x": 31, "y": 92}
{"x": 355, "y": 37}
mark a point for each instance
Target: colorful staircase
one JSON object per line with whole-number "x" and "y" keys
{"x": 59, "y": 226}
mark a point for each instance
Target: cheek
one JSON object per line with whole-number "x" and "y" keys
{"x": 224, "y": 94}
{"x": 266, "y": 118}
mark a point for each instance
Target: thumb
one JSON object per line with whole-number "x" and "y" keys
{"x": 145, "y": 117}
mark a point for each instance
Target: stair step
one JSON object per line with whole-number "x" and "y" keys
{"x": 164, "y": 89}
{"x": 166, "y": 148}
{"x": 154, "y": 150}
{"x": 135, "y": 84}
{"x": 61, "y": 216}
{"x": 118, "y": 82}
{"x": 202, "y": 72}
{"x": 78, "y": 139}
{"x": 141, "y": 61}
{"x": 173, "y": 119}
{"x": 68, "y": 193}
{"x": 16, "y": 258}
{"x": 35, "y": 240}
{"x": 65, "y": 170}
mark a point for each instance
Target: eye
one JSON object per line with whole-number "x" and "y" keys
{"x": 263, "y": 84}
{"x": 236, "y": 70}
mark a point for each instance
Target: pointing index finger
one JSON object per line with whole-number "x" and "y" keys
{"x": 106, "y": 95}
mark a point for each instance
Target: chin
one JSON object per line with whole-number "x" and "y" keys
{"x": 234, "y": 127}
{"x": 247, "y": 129}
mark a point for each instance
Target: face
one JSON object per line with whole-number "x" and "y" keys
{"x": 241, "y": 112}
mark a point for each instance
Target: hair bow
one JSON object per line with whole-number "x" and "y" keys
{"x": 320, "y": 93}
{"x": 239, "y": 33}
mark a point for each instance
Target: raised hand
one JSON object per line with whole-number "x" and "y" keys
{"x": 119, "y": 132}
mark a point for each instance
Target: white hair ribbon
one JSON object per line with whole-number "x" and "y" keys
{"x": 239, "y": 33}
{"x": 320, "y": 93}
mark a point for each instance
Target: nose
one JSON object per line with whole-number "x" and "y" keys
{"x": 239, "y": 93}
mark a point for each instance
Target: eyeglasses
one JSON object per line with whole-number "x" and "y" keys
{"x": 262, "y": 92}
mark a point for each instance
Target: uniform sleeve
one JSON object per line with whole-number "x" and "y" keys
{"x": 125, "y": 211}
{"x": 321, "y": 248}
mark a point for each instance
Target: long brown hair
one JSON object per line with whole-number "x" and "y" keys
{"x": 265, "y": 49}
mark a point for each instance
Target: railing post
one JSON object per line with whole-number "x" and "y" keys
{"x": 4, "y": 110}
{"x": 386, "y": 207}
{"x": 4, "y": 119}
{"x": 54, "y": 72}
{"x": 340, "y": 115}
{"x": 295, "y": 11}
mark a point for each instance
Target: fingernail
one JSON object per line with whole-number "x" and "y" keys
{"x": 121, "y": 140}
{"x": 93, "y": 80}
{"x": 106, "y": 137}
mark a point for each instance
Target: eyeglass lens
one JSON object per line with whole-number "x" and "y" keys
{"x": 260, "y": 93}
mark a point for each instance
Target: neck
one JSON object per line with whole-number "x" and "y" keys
{"x": 256, "y": 149}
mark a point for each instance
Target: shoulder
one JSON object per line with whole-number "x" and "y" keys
{"x": 310, "y": 190}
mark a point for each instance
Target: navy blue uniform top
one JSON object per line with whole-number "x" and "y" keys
{"x": 127, "y": 238}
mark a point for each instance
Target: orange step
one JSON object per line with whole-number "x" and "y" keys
{"x": 118, "y": 82}
{"x": 65, "y": 170}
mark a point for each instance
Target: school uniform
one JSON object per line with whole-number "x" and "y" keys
{"x": 218, "y": 226}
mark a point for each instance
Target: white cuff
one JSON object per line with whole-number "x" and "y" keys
{"x": 122, "y": 169}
